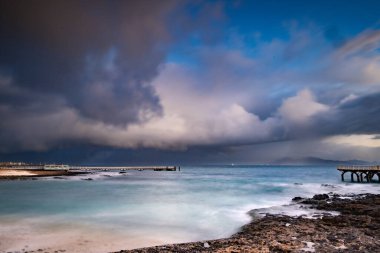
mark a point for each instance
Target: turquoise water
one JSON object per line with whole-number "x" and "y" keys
{"x": 143, "y": 208}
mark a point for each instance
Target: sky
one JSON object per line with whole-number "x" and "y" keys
{"x": 119, "y": 82}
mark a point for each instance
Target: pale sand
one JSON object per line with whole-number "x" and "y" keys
{"x": 19, "y": 173}
{"x": 32, "y": 234}
{"x": 11, "y": 173}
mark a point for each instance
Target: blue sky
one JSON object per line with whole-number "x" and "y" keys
{"x": 205, "y": 81}
{"x": 271, "y": 19}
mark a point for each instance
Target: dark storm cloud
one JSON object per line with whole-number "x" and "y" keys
{"x": 358, "y": 116}
{"x": 98, "y": 55}
{"x": 81, "y": 71}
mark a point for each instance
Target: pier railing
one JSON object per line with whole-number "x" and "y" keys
{"x": 359, "y": 167}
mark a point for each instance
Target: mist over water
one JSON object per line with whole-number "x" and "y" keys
{"x": 143, "y": 208}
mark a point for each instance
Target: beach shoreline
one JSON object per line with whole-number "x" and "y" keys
{"x": 10, "y": 174}
{"x": 355, "y": 229}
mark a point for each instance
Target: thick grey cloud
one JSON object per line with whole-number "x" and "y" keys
{"x": 99, "y": 56}
{"x": 71, "y": 71}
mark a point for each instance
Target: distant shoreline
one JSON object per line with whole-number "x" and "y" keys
{"x": 31, "y": 173}
{"x": 356, "y": 229}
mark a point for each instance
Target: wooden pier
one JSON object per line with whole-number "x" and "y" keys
{"x": 361, "y": 173}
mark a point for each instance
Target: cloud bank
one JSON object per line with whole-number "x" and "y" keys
{"x": 79, "y": 73}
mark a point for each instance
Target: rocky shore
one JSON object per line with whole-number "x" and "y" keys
{"x": 355, "y": 229}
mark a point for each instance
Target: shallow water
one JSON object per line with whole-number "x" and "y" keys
{"x": 143, "y": 208}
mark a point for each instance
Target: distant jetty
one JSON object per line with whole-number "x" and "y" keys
{"x": 12, "y": 170}
{"x": 28, "y": 166}
{"x": 124, "y": 168}
{"x": 361, "y": 173}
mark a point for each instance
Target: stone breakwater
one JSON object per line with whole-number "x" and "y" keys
{"x": 356, "y": 229}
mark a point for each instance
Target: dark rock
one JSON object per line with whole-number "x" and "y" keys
{"x": 321, "y": 197}
{"x": 328, "y": 185}
{"x": 297, "y": 199}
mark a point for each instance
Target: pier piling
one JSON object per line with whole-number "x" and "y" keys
{"x": 361, "y": 173}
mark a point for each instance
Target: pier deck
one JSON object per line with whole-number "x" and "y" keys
{"x": 361, "y": 173}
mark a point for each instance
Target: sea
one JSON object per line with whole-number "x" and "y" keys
{"x": 115, "y": 211}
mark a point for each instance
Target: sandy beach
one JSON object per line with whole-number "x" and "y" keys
{"x": 11, "y": 173}
{"x": 23, "y": 173}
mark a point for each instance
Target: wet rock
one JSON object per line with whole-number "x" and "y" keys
{"x": 328, "y": 185}
{"x": 321, "y": 197}
{"x": 297, "y": 199}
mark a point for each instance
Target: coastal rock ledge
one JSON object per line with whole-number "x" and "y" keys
{"x": 356, "y": 229}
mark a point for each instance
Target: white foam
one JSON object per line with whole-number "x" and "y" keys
{"x": 294, "y": 210}
{"x": 98, "y": 175}
{"x": 283, "y": 205}
{"x": 309, "y": 247}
